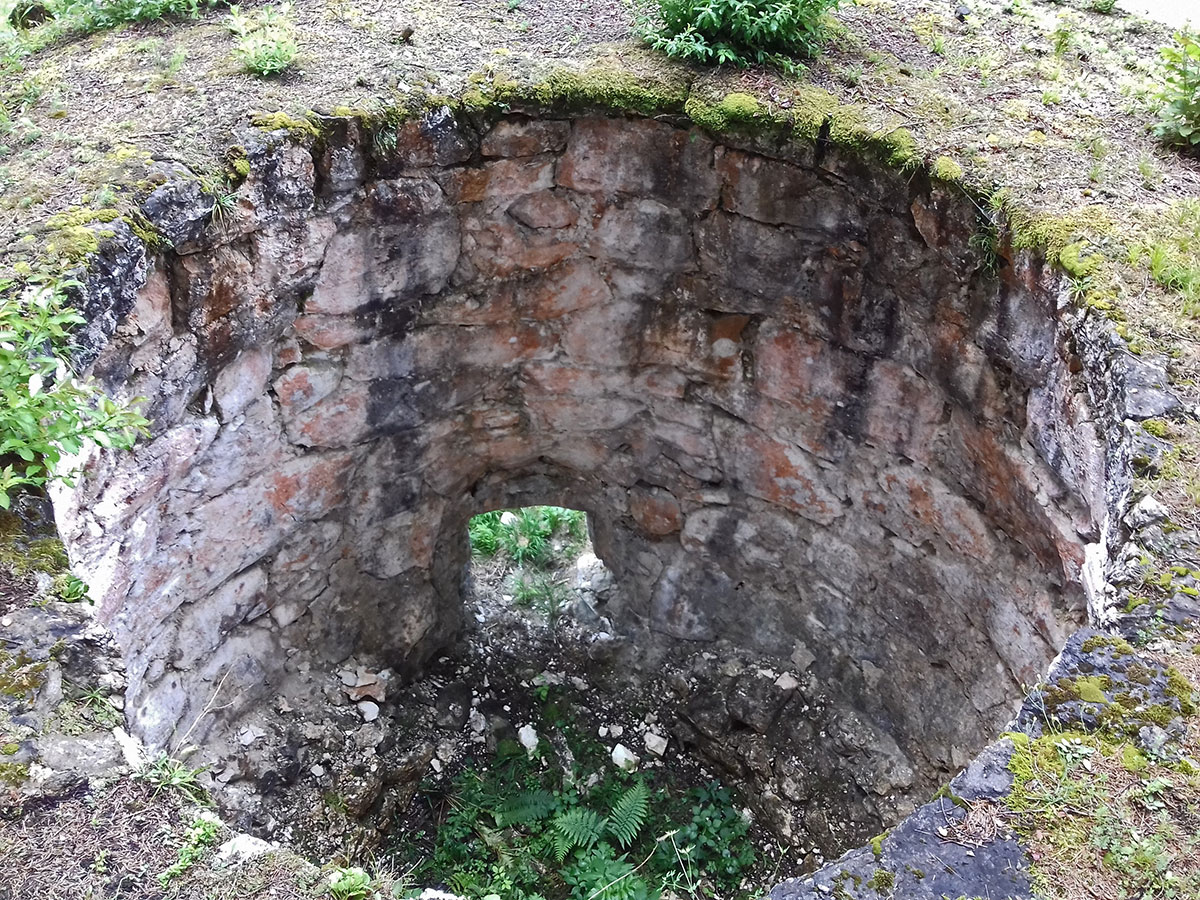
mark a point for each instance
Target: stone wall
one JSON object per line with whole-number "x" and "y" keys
{"x": 802, "y": 416}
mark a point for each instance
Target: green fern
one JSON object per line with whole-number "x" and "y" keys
{"x": 527, "y": 807}
{"x": 629, "y": 814}
{"x": 578, "y": 827}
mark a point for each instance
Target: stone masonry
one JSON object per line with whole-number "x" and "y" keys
{"x": 802, "y": 417}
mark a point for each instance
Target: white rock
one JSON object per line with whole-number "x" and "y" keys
{"x": 508, "y": 517}
{"x": 616, "y": 730}
{"x": 240, "y": 848}
{"x": 602, "y": 731}
{"x": 318, "y": 770}
{"x": 624, "y": 758}
{"x": 787, "y": 682}
{"x": 478, "y": 722}
{"x": 369, "y": 710}
{"x": 131, "y": 748}
{"x": 528, "y": 738}
{"x": 656, "y": 743}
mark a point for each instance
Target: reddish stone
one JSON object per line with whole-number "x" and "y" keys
{"x": 525, "y": 138}
{"x": 500, "y": 250}
{"x": 301, "y": 386}
{"x": 330, "y": 332}
{"x": 655, "y": 511}
{"x": 341, "y": 287}
{"x": 641, "y": 157}
{"x": 571, "y": 287}
{"x": 544, "y": 210}
{"x": 499, "y": 181}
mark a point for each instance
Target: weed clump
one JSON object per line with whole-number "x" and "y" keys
{"x": 736, "y": 32}
{"x": 1179, "y": 115}
{"x": 264, "y": 43}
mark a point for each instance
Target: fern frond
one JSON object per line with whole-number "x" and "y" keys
{"x": 629, "y": 814}
{"x": 527, "y": 807}
{"x": 581, "y": 827}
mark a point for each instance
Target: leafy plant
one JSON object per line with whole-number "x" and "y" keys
{"x": 201, "y": 835}
{"x": 166, "y": 773}
{"x": 46, "y": 411}
{"x": 526, "y": 831}
{"x": 265, "y": 42}
{"x": 735, "y": 32}
{"x": 1179, "y": 111}
{"x": 350, "y": 883}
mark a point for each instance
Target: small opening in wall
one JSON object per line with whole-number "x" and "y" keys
{"x": 539, "y": 560}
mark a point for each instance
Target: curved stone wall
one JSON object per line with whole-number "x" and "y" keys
{"x": 803, "y": 418}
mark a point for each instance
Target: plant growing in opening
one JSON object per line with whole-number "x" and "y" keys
{"x": 735, "y": 32}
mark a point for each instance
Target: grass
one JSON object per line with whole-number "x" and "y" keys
{"x": 526, "y": 537}
{"x": 1103, "y": 818}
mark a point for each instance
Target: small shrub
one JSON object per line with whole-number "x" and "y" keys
{"x": 265, "y": 44}
{"x": 737, "y": 32}
{"x": 45, "y": 410}
{"x": 1179, "y": 114}
{"x": 94, "y": 15}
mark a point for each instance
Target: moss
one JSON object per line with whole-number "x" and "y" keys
{"x": 1053, "y": 234}
{"x": 944, "y": 792}
{"x": 14, "y": 774}
{"x": 1075, "y": 263}
{"x": 1091, "y": 688}
{"x": 75, "y": 243}
{"x": 1133, "y": 759}
{"x": 1118, "y": 644}
{"x": 882, "y": 881}
{"x": 733, "y": 112}
{"x": 300, "y": 129}
{"x": 599, "y": 87}
{"x": 20, "y": 676}
{"x": 1156, "y": 427}
{"x": 237, "y": 162}
{"x": 946, "y": 169}
{"x": 10, "y": 749}
{"x": 1181, "y": 689}
{"x": 1135, "y": 601}
{"x": 877, "y": 844}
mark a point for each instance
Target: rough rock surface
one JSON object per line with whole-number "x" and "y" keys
{"x": 803, "y": 422}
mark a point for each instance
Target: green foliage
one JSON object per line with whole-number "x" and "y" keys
{"x": 265, "y": 42}
{"x": 737, "y": 32}
{"x": 351, "y": 883}
{"x": 527, "y": 534}
{"x": 46, "y": 411}
{"x": 716, "y": 840}
{"x": 94, "y": 15}
{"x": 166, "y": 773}
{"x": 1179, "y": 113}
{"x": 522, "y": 830}
{"x": 201, "y": 835}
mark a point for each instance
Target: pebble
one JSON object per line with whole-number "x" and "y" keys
{"x": 625, "y": 758}
{"x": 527, "y": 735}
{"x": 656, "y": 743}
{"x": 318, "y": 770}
{"x": 787, "y": 682}
{"x": 369, "y": 710}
